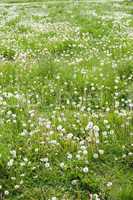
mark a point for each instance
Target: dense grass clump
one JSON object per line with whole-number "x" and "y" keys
{"x": 66, "y": 100}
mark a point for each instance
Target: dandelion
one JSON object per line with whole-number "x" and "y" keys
{"x": 10, "y": 163}
{"x": 54, "y": 198}
{"x": 78, "y": 156}
{"x": 109, "y": 184}
{"x": 59, "y": 128}
{"x": 69, "y": 156}
{"x": 62, "y": 165}
{"x": 85, "y": 152}
{"x": 54, "y": 142}
{"x": 16, "y": 186}
{"x": 6, "y": 192}
{"x": 74, "y": 182}
{"x": 89, "y": 126}
{"x": 101, "y": 152}
{"x": 85, "y": 170}
{"x": 13, "y": 152}
{"x": 47, "y": 165}
{"x": 96, "y": 129}
{"x": 69, "y": 136}
{"x": 95, "y": 155}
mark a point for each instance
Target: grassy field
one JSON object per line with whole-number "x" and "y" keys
{"x": 66, "y": 91}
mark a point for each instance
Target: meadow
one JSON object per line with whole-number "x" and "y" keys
{"x": 66, "y": 100}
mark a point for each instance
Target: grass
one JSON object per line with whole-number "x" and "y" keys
{"x": 66, "y": 100}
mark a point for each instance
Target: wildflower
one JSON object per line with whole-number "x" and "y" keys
{"x": 69, "y": 136}
{"x": 85, "y": 152}
{"x": 89, "y": 126}
{"x": 105, "y": 121}
{"x": 109, "y": 184}
{"x": 101, "y": 151}
{"x": 59, "y": 128}
{"x": 85, "y": 169}
{"x": 96, "y": 134}
{"x": 74, "y": 182}
{"x": 24, "y": 132}
{"x": 21, "y": 182}
{"x": 48, "y": 126}
{"x": 16, "y": 186}
{"x": 83, "y": 147}
{"x": 13, "y": 152}
{"x": 13, "y": 178}
{"x": 130, "y": 153}
{"x": 53, "y": 198}
{"x": 47, "y": 165}
{"x": 44, "y": 159}
{"x": 10, "y": 163}
{"x": 96, "y": 197}
{"x": 69, "y": 156}
{"x": 62, "y": 165}
{"x": 6, "y": 192}
{"x": 96, "y": 128}
{"x": 53, "y": 142}
{"x": 95, "y": 155}
{"x": 78, "y": 156}
{"x": 25, "y": 159}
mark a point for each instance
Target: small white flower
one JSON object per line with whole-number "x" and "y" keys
{"x": 25, "y": 159}
{"x": 83, "y": 147}
{"x": 109, "y": 184}
{"x": 69, "y": 156}
{"x": 74, "y": 182}
{"x": 24, "y": 132}
{"x": 69, "y": 136}
{"x": 13, "y": 152}
{"x": 89, "y": 126}
{"x": 48, "y": 126}
{"x": 97, "y": 141}
{"x": 62, "y": 165}
{"x": 53, "y": 198}
{"x": 21, "y": 182}
{"x": 22, "y": 164}
{"x": 16, "y": 186}
{"x": 59, "y": 128}
{"x": 10, "y": 163}
{"x": 95, "y": 155}
{"x": 36, "y": 149}
{"x": 85, "y": 152}
{"x": 104, "y": 133}
{"x": 6, "y": 192}
{"x": 44, "y": 159}
{"x": 96, "y": 197}
{"x": 130, "y": 153}
{"x": 78, "y": 156}
{"x": 85, "y": 169}
{"x": 13, "y": 178}
{"x": 53, "y": 142}
{"x": 96, "y": 134}
{"x": 96, "y": 128}
{"x": 47, "y": 165}
{"x": 101, "y": 151}
{"x": 105, "y": 121}
{"x": 82, "y": 142}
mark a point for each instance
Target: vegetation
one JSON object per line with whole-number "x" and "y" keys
{"x": 66, "y": 96}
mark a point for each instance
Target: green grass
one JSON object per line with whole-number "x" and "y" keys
{"x": 66, "y": 95}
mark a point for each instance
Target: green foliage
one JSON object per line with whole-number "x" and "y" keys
{"x": 66, "y": 100}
